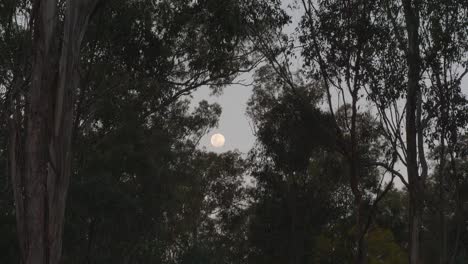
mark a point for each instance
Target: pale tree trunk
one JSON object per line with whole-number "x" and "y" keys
{"x": 41, "y": 167}
{"x": 413, "y": 99}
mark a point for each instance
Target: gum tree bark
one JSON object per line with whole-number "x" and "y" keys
{"x": 411, "y": 13}
{"x": 40, "y": 140}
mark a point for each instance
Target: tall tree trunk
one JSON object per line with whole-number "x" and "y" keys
{"x": 413, "y": 92}
{"x": 41, "y": 167}
{"x": 361, "y": 252}
{"x": 442, "y": 219}
{"x": 444, "y": 94}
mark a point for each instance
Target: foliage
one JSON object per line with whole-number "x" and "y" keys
{"x": 143, "y": 191}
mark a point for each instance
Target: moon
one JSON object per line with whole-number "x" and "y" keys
{"x": 217, "y": 140}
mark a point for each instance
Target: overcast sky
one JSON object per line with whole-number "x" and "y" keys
{"x": 233, "y": 123}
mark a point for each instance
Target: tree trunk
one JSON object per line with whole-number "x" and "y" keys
{"x": 442, "y": 224}
{"x": 361, "y": 256}
{"x": 41, "y": 168}
{"x": 360, "y": 236}
{"x": 414, "y": 228}
{"x": 360, "y": 239}
{"x": 413, "y": 60}
{"x": 361, "y": 252}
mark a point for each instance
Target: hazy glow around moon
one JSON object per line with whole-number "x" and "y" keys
{"x": 217, "y": 140}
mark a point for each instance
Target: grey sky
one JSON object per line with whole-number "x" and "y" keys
{"x": 233, "y": 123}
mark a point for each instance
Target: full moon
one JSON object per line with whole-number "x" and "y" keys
{"x": 217, "y": 140}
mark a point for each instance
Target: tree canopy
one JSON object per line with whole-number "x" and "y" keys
{"x": 357, "y": 108}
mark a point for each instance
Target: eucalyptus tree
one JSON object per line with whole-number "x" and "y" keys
{"x": 300, "y": 167}
{"x": 339, "y": 43}
{"x": 145, "y": 193}
{"x": 419, "y": 68}
{"x": 445, "y": 52}
{"x": 40, "y": 135}
{"x": 297, "y": 171}
{"x": 413, "y": 61}
{"x": 169, "y": 49}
